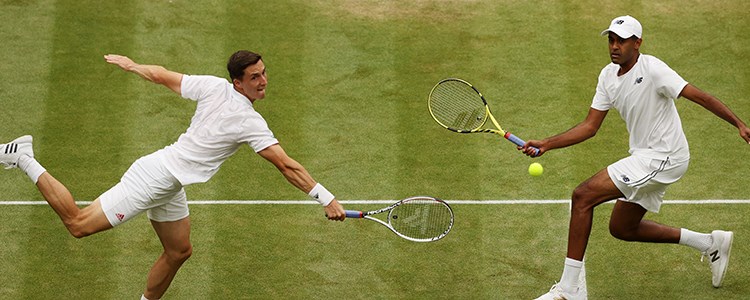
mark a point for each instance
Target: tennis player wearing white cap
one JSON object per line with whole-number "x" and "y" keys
{"x": 643, "y": 89}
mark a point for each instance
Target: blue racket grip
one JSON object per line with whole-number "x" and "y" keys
{"x": 518, "y": 141}
{"x": 354, "y": 214}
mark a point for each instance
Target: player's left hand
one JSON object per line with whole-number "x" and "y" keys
{"x": 123, "y": 62}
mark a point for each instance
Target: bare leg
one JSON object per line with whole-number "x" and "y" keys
{"x": 627, "y": 224}
{"x": 175, "y": 238}
{"x": 79, "y": 222}
{"x": 592, "y": 192}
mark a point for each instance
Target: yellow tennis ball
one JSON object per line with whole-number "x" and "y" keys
{"x": 536, "y": 169}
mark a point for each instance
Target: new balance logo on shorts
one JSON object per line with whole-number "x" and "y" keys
{"x": 715, "y": 256}
{"x": 120, "y": 216}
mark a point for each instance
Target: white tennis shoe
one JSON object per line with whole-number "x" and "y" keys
{"x": 718, "y": 255}
{"x": 10, "y": 152}
{"x": 557, "y": 293}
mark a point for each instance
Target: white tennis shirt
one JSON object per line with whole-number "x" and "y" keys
{"x": 224, "y": 120}
{"x": 644, "y": 97}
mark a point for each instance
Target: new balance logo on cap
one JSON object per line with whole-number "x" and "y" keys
{"x": 619, "y": 22}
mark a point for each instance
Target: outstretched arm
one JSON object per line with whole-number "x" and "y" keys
{"x": 153, "y": 73}
{"x": 717, "y": 107}
{"x": 575, "y": 135}
{"x": 296, "y": 174}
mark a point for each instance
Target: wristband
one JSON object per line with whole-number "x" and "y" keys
{"x": 321, "y": 194}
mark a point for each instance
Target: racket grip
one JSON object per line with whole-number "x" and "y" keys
{"x": 518, "y": 141}
{"x": 354, "y": 214}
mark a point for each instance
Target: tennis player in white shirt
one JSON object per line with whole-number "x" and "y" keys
{"x": 224, "y": 122}
{"x": 643, "y": 89}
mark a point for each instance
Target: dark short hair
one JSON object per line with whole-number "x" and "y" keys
{"x": 239, "y": 61}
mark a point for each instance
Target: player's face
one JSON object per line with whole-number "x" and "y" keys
{"x": 623, "y": 52}
{"x": 253, "y": 83}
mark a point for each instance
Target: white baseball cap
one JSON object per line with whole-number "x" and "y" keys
{"x": 625, "y": 27}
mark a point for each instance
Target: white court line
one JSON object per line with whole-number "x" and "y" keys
{"x": 458, "y": 202}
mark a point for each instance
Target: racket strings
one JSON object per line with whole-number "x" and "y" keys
{"x": 457, "y": 105}
{"x": 422, "y": 219}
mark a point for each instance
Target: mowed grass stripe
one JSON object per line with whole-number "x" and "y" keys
{"x": 164, "y": 36}
{"x": 25, "y": 54}
{"x": 81, "y": 130}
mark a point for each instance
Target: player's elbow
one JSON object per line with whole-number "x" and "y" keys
{"x": 589, "y": 131}
{"x": 159, "y": 75}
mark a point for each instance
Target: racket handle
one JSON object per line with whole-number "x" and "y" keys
{"x": 518, "y": 141}
{"x": 354, "y": 214}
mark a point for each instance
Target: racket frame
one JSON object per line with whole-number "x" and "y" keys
{"x": 488, "y": 115}
{"x": 368, "y": 215}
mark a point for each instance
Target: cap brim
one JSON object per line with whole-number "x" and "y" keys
{"x": 621, "y": 33}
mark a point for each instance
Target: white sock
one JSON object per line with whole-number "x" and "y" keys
{"x": 143, "y": 297}
{"x": 571, "y": 272}
{"x": 31, "y": 167}
{"x": 699, "y": 241}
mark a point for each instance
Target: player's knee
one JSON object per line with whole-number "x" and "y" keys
{"x": 77, "y": 230}
{"x": 581, "y": 200}
{"x": 82, "y": 225}
{"x": 181, "y": 254}
{"x": 621, "y": 232}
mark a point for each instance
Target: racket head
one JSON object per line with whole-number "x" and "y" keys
{"x": 421, "y": 219}
{"x": 457, "y": 105}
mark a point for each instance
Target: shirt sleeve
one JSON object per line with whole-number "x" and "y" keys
{"x": 256, "y": 132}
{"x": 195, "y": 87}
{"x": 667, "y": 82}
{"x": 601, "y": 101}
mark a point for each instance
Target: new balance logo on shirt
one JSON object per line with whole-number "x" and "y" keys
{"x": 638, "y": 80}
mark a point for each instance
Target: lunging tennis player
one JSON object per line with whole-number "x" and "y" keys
{"x": 224, "y": 121}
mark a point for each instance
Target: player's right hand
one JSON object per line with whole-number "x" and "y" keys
{"x": 334, "y": 211}
{"x": 529, "y": 150}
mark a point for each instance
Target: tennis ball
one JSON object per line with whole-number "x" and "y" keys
{"x": 536, "y": 169}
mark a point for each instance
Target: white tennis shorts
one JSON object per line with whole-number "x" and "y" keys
{"x": 644, "y": 180}
{"x": 146, "y": 186}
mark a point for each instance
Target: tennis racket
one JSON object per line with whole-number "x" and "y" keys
{"x": 459, "y": 107}
{"x": 418, "y": 219}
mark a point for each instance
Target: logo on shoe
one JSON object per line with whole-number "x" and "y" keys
{"x": 119, "y": 216}
{"x": 11, "y": 148}
{"x": 715, "y": 256}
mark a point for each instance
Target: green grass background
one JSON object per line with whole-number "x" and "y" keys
{"x": 347, "y": 98}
